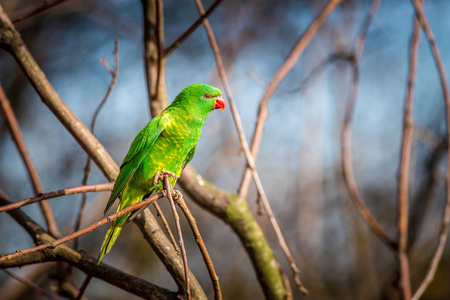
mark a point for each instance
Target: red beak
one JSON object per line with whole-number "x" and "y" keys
{"x": 220, "y": 103}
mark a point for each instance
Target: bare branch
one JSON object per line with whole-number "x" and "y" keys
{"x": 201, "y": 245}
{"x": 83, "y": 287}
{"x": 155, "y": 61}
{"x": 279, "y": 76}
{"x": 420, "y": 15}
{"x": 14, "y": 128}
{"x": 79, "y": 260}
{"x": 404, "y": 282}
{"x": 191, "y": 29}
{"x": 11, "y": 41}
{"x": 114, "y": 73}
{"x": 248, "y": 155}
{"x": 46, "y": 5}
{"x": 168, "y": 189}
{"x": 53, "y": 244}
{"x": 163, "y": 247}
{"x": 58, "y": 193}
{"x": 30, "y": 284}
{"x": 347, "y": 164}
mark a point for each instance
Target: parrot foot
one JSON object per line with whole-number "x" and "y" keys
{"x": 176, "y": 196}
{"x": 160, "y": 176}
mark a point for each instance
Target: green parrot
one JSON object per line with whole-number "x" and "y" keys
{"x": 164, "y": 146}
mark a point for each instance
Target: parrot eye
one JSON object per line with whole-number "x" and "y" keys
{"x": 206, "y": 96}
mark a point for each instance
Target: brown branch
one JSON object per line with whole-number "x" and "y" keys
{"x": 168, "y": 189}
{"x": 163, "y": 247}
{"x": 420, "y": 15}
{"x": 46, "y": 5}
{"x": 404, "y": 283}
{"x": 14, "y": 128}
{"x": 58, "y": 193}
{"x": 160, "y": 214}
{"x": 235, "y": 212}
{"x": 191, "y": 29}
{"x": 83, "y": 287}
{"x": 279, "y": 76}
{"x": 201, "y": 245}
{"x": 248, "y": 155}
{"x": 347, "y": 164}
{"x": 11, "y": 289}
{"x": 87, "y": 168}
{"x": 30, "y": 284}
{"x": 11, "y": 41}
{"x": 79, "y": 260}
{"x": 155, "y": 61}
{"x": 53, "y": 244}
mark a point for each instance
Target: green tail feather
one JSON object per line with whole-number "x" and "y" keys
{"x": 111, "y": 236}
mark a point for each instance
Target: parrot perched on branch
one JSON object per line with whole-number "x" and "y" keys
{"x": 163, "y": 147}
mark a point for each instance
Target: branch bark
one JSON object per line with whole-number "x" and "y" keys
{"x": 404, "y": 282}
{"x": 279, "y": 76}
{"x": 11, "y": 41}
{"x": 16, "y": 133}
{"x": 445, "y": 89}
{"x": 79, "y": 260}
{"x": 155, "y": 60}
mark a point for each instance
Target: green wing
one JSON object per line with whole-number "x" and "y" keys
{"x": 139, "y": 148}
{"x": 188, "y": 158}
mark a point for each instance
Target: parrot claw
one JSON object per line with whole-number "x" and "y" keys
{"x": 160, "y": 176}
{"x": 176, "y": 196}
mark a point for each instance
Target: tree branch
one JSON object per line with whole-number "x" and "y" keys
{"x": 58, "y": 193}
{"x": 201, "y": 245}
{"x": 46, "y": 5}
{"x": 191, "y": 29}
{"x": 404, "y": 282}
{"x": 14, "y": 128}
{"x": 347, "y": 164}
{"x": 11, "y": 41}
{"x": 164, "y": 248}
{"x": 446, "y": 217}
{"x": 279, "y": 76}
{"x": 155, "y": 62}
{"x": 81, "y": 232}
{"x": 79, "y": 260}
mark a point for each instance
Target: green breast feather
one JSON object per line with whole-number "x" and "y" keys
{"x": 166, "y": 143}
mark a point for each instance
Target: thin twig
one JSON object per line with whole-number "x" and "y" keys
{"x": 84, "y": 286}
{"x": 273, "y": 85}
{"x": 248, "y": 155}
{"x": 85, "y": 230}
{"x": 168, "y": 189}
{"x": 14, "y": 128}
{"x": 160, "y": 214}
{"x": 346, "y": 153}
{"x": 11, "y": 41}
{"x": 191, "y": 29}
{"x": 201, "y": 245}
{"x": 404, "y": 283}
{"x": 31, "y": 285}
{"x": 83, "y": 262}
{"x": 58, "y": 193}
{"x": 46, "y": 5}
{"x": 446, "y": 217}
{"x": 87, "y": 168}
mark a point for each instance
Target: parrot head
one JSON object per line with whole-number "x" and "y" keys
{"x": 200, "y": 99}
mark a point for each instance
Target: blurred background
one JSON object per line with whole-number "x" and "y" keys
{"x": 300, "y": 155}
